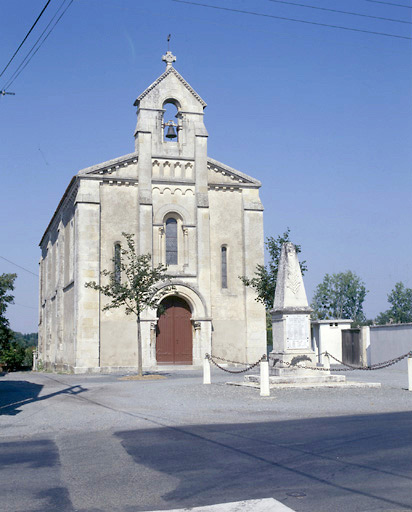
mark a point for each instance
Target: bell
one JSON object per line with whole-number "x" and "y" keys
{"x": 171, "y": 134}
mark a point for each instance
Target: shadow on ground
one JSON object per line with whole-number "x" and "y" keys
{"x": 42, "y": 457}
{"x": 345, "y": 463}
{"x": 18, "y": 393}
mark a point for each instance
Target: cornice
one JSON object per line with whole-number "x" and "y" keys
{"x": 68, "y": 197}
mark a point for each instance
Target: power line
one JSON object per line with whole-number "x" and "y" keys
{"x": 28, "y": 58}
{"x": 12, "y": 262}
{"x": 23, "y": 306}
{"x": 293, "y": 19}
{"x": 27, "y": 35}
{"x": 340, "y": 12}
{"x": 390, "y": 3}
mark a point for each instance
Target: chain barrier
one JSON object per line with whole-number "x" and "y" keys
{"x": 376, "y": 366}
{"x": 348, "y": 367}
{"x": 249, "y": 367}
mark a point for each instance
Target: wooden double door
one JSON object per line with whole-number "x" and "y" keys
{"x": 174, "y": 344}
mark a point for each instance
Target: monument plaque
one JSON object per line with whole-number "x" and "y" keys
{"x": 297, "y": 332}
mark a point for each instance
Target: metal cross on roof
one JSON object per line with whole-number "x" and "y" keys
{"x": 168, "y": 58}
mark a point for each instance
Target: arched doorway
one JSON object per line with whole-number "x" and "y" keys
{"x": 174, "y": 344}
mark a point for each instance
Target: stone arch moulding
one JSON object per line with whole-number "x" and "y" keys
{"x": 172, "y": 101}
{"x": 201, "y": 323}
{"x": 192, "y": 296}
{"x": 161, "y": 213}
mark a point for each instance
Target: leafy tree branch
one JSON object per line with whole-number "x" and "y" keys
{"x": 133, "y": 284}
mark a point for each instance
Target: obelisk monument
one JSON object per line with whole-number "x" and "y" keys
{"x": 291, "y": 317}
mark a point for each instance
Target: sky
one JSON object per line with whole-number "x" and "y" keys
{"x": 320, "y": 115}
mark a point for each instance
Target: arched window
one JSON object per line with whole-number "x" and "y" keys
{"x": 171, "y": 241}
{"x": 117, "y": 263}
{"x": 224, "y": 266}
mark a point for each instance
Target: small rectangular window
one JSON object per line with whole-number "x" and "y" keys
{"x": 224, "y": 267}
{"x": 117, "y": 263}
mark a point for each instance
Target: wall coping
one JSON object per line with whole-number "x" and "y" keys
{"x": 391, "y": 326}
{"x": 332, "y": 321}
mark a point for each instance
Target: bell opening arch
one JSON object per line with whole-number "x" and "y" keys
{"x": 170, "y": 120}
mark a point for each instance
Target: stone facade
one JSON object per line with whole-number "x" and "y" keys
{"x": 218, "y": 218}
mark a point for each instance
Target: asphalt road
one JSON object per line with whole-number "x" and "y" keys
{"x": 96, "y": 443}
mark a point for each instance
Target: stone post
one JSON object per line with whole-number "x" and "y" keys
{"x": 365, "y": 343}
{"x": 410, "y": 373}
{"x": 206, "y": 370}
{"x": 320, "y": 346}
{"x": 264, "y": 378}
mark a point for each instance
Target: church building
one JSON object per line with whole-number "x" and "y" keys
{"x": 200, "y": 217}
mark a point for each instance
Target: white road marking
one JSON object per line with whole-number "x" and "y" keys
{"x": 264, "y": 505}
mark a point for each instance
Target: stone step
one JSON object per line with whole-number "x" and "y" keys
{"x": 298, "y": 379}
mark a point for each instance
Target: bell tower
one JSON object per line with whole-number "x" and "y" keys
{"x": 157, "y": 136}
{"x": 172, "y": 112}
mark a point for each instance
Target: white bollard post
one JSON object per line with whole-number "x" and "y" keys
{"x": 410, "y": 373}
{"x": 264, "y": 378}
{"x": 206, "y": 371}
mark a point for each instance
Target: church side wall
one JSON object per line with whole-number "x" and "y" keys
{"x": 253, "y": 251}
{"x": 56, "y": 319}
{"x": 119, "y": 213}
{"x": 228, "y": 307}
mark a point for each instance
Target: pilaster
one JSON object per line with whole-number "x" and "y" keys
{"x": 87, "y": 268}
{"x": 144, "y": 167}
{"x": 255, "y": 316}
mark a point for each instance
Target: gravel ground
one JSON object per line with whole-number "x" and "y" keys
{"x": 96, "y": 443}
{"x": 47, "y": 402}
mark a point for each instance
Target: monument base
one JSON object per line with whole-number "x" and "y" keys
{"x": 292, "y": 364}
{"x": 305, "y": 382}
{"x": 299, "y": 380}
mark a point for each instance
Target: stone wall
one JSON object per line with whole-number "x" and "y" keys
{"x": 389, "y": 341}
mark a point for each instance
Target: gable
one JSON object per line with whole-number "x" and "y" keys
{"x": 168, "y": 83}
{"x": 122, "y": 167}
{"x": 222, "y": 174}
{"x": 125, "y": 167}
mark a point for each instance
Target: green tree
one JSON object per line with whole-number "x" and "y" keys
{"x": 11, "y": 353}
{"x": 13, "y": 356}
{"x": 6, "y": 298}
{"x": 134, "y": 285}
{"x": 400, "y": 311}
{"x": 340, "y": 296}
{"x": 26, "y": 340}
{"x": 264, "y": 280}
